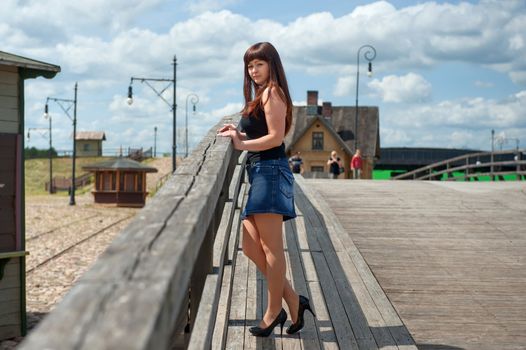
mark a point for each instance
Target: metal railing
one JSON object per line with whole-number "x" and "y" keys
{"x": 474, "y": 165}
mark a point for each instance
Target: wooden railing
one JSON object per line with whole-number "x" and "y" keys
{"x": 474, "y": 165}
{"x": 61, "y": 183}
{"x": 159, "y": 284}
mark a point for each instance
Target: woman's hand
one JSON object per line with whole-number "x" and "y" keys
{"x": 226, "y": 127}
{"x": 233, "y": 133}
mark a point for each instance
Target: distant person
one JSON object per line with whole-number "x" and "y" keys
{"x": 296, "y": 163}
{"x": 356, "y": 165}
{"x": 335, "y": 165}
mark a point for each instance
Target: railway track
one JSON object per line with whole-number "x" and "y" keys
{"x": 41, "y": 234}
{"x": 76, "y": 244}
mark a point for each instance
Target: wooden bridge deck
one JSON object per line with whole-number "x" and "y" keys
{"x": 323, "y": 263}
{"x": 450, "y": 256}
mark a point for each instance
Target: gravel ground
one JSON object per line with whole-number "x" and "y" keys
{"x": 85, "y": 230}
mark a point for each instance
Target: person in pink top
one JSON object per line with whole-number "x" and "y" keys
{"x": 356, "y": 165}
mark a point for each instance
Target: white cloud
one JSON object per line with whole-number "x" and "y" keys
{"x": 100, "y": 44}
{"x": 483, "y": 84}
{"x": 408, "y": 88}
{"x": 344, "y": 85}
{"x": 464, "y": 123}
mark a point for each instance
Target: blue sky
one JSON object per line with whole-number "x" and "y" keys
{"x": 445, "y": 74}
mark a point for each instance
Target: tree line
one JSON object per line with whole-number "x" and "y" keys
{"x": 33, "y": 152}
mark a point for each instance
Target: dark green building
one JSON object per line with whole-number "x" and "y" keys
{"x": 14, "y": 70}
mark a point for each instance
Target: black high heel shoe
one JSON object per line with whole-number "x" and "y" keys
{"x": 304, "y": 305}
{"x": 265, "y": 332}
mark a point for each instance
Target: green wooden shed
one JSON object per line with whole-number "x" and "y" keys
{"x": 13, "y": 71}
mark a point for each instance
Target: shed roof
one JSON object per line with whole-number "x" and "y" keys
{"x": 46, "y": 69}
{"x": 342, "y": 123}
{"x": 119, "y": 164}
{"x": 91, "y": 135}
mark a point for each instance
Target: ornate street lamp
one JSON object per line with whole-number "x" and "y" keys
{"x": 194, "y": 100}
{"x": 66, "y": 105}
{"x": 369, "y": 55}
{"x": 173, "y": 106}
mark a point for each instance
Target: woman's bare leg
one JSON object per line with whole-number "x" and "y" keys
{"x": 267, "y": 253}
{"x": 254, "y": 251}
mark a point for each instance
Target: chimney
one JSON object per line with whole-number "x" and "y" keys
{"x": 312, "y": 102}
{"x": 326, "y": 110}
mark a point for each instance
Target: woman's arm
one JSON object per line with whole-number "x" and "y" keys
{"x": 275, "y": 112}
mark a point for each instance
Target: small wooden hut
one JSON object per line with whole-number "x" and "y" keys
{"x": 121, "y": 181}
{"x": 89, "y": 143}
{"x": 14, "y": 70}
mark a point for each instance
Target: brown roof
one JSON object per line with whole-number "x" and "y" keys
{"x": 119, "y": 164}
{"x": 10, "y": 59}
{"x": 91, "y": 135}
{"x": 342, "y": 126}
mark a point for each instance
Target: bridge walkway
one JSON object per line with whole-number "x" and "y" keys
{"x": 449, "y": 256}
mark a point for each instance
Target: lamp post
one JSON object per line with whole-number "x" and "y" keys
{"x": 173, "y": 106}
{"x": 194, "y": 100}
{"x": 50, "y": 150}
{"x": 70, "y": 103}
{"x": 369, "y": 55}
{"x": 155, "y": 142}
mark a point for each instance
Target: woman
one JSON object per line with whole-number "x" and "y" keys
{"x": 267, "y": 117}
{"x": 335, "y": 165}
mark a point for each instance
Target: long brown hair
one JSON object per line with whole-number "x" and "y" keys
{"x": 276, "y": 82}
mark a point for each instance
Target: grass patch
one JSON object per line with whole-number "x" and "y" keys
{"x": 37, "y": 173}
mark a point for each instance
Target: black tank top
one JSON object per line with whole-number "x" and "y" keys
{"x": 256, "y": 127}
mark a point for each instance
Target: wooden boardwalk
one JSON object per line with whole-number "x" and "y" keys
{"x": 451, "y": 257}
{"x": 324, "y": 264}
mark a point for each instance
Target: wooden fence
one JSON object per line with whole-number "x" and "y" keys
{"x": 473, "y": 166}
{"x": 61, "y": 183}
{"x": 163, "y": 276}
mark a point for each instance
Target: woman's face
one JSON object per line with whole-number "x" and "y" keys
{"x": 258, "y": 71}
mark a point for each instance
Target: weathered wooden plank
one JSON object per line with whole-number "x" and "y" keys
{"x": 9, "y": 307}
{"x": 223, "y": 312}
{"x": 398, "y": 331}
{"x": 340, "y": 322}
{"x": 219, "y": 334}
{"x": 9, "y": 76}
{"x": 237, "y": 317}
{"x": 324, "y": 324}
{"x": 289, "y": 342}
{"x": 273, "y": 341}
{"x": 11, "y": 275}
{"x": 135, "y": 294}
{"x": 10, "y": 293}
{"x": 250, "y": 341}
{"x": 8, "y": 90}
{"x": 299, "y": 271}
{"x": 348, "y": 289}
{"x": 75, "y": 325}
{"x": 203, "y": 329}
{"x": 162, "y": 283}
{"x": 451, "y": 245}
{"x": 8, "y": 102}
{"x": 9, "y": 127}
{"x": 9, "y": 115}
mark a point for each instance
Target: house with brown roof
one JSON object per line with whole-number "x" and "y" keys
{"x": 89, "y": 143}
{"x": 318, "y": 130}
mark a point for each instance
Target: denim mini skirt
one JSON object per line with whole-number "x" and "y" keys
{"x": 271, "y": 189}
